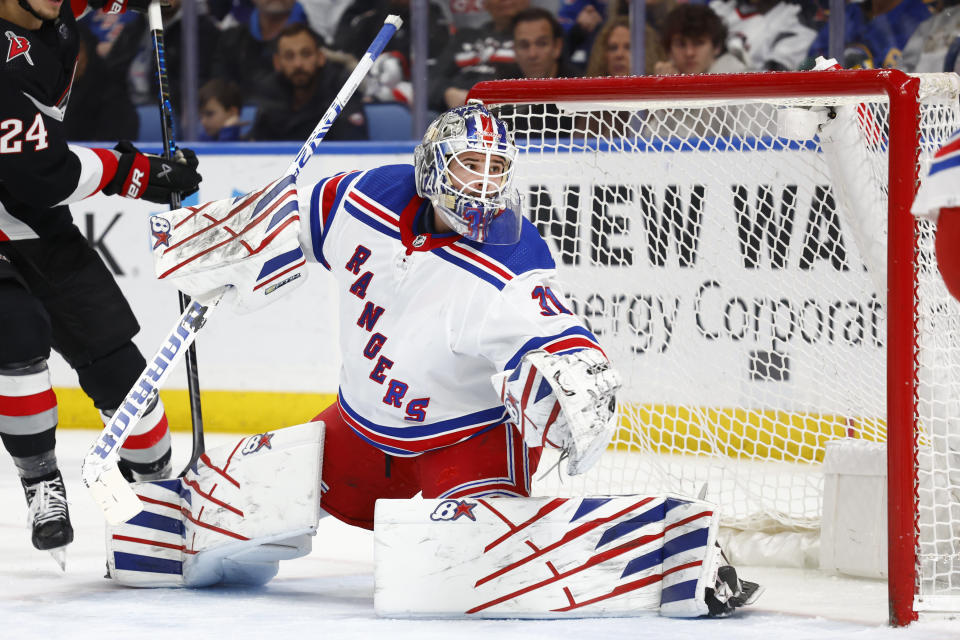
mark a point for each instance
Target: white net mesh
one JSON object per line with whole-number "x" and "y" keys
{"x": 736, "y": 279}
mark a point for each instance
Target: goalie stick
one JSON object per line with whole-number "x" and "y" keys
{"x": 169, "y": 150}
{"x": 100, "y": 473}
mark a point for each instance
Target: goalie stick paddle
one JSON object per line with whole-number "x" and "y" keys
{"x": 169, "y": 149}
{"x": 100, "y": 473}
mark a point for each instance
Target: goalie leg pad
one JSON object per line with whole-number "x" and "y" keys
{"x": 543, "y": 557}
{"x": 244, "y": 507}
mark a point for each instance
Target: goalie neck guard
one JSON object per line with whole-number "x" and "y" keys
{"x": 464, "y": 166}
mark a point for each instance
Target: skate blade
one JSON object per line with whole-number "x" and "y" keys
{"x": 60, "y": 555}
{"x": 753, "y": 594}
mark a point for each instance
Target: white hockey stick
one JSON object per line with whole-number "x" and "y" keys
{"x": 100, "y": 473}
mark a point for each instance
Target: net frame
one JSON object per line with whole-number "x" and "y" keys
{"x": 903, "y": 93}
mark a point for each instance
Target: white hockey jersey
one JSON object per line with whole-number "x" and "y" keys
{"x": 426, "y": 320}
{"x": 763, "y": 41}
{"x": 938, "y": 189}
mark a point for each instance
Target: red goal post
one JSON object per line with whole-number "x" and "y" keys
{"x": 637, "y": 182}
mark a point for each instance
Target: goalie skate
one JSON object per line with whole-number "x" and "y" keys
{"x": 731, "y": 593}
{"x": 48, "y": 516}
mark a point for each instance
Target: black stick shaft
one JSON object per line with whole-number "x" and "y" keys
{"x": 169, "y": 149}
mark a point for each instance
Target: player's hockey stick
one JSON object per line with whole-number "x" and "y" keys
{"x": 169, "y": 149}
{"x": 100, "y": 473}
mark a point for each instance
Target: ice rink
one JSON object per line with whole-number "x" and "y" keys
{"x": 329, "y": 594}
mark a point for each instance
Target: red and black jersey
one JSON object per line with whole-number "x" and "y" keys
{"x": 39, "y": 171}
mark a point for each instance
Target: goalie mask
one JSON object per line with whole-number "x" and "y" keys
{"x": 464, "y": 166}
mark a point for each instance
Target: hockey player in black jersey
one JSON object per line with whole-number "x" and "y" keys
{"x": 55, "y": 291}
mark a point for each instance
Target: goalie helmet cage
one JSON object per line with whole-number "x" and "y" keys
{"x": 762, "y": 296}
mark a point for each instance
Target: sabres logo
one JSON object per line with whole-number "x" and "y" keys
{"x": 160, "y": 229}
{"x": 453, "y": 509}
{"x": 19, "y": 46}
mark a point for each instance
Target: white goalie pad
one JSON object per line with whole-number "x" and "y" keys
{"x": 544, "y": 557}
{"x": 243, "y": 508}
{"x": 566, "y": 401}
{"x": 249, "y": 243}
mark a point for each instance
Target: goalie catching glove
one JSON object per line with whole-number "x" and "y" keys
{"x": 565, "y": 401}
{"x": 151, "y": 177}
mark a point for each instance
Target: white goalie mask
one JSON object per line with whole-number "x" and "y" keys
{"x": 464, "y": 166}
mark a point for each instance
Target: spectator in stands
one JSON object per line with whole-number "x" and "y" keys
{"x": 244, "y": 53}
{"x": 876, "y": 33}
{"x": 220, "y": 102}
{"x": 87, "y": 119}
{"x": 581, "y": 20}
{"x": 107, "y": 30}
{"x": 934, "y": 45}
{"x": 230, "y": 12}
{"x": 765, "y": 35}
{"x": 389, "y": 79}
{"x": 473, "y": 55}
{"x": 356, "y": 29}
{"x": 538, "y": 45}
{"x": 693, "y": 37}
{"x": 302, "y": 87}
{"x": 610, "y": 55}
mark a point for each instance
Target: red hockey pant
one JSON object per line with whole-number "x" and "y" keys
{"x": 356, "y": 474}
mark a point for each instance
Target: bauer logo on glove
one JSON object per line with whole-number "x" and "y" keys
{"x": 152, "y": 178}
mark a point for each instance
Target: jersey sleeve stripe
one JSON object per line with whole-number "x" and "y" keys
{"x": 568, "y": 345}
{"x": 952, "y": 145}
{"x": 324, "y": 202}
{"x": 12, "y": 228}
{"x": 945, "y": 162}
{"x": 373, "y": 207}
{"x": 97, "y": 168}
{"x": 379, "y": 223}
{"x": 373, "y": 214}
{"x": 483, "y": 261}
{"x": 573, "y": 338}
{"x": 484, "y": 274}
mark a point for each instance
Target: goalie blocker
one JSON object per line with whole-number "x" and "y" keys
{"x": 553, "y": 558}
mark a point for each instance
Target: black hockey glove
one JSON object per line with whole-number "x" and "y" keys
{"x": 119, "y": 6}
{"x": 150, "y": 177}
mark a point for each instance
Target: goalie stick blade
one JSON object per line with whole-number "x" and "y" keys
{"x": 115, "y": 497}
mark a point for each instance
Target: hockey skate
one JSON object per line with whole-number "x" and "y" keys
{"x": 159, "y": 470}
{"x": 49, "y": 517}
{"x": 730, "y": 593}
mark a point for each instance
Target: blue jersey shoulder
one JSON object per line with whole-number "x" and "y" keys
{"x": 529, "y": 253}
{"x": 391, "y": 185}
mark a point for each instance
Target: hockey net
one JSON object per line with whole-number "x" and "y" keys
{"x": 740, "y": 281}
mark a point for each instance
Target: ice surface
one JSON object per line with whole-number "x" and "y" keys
{"x": 329, "y": 594}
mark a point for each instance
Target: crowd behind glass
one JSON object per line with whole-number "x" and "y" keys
{"x": 268, "y": 69}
